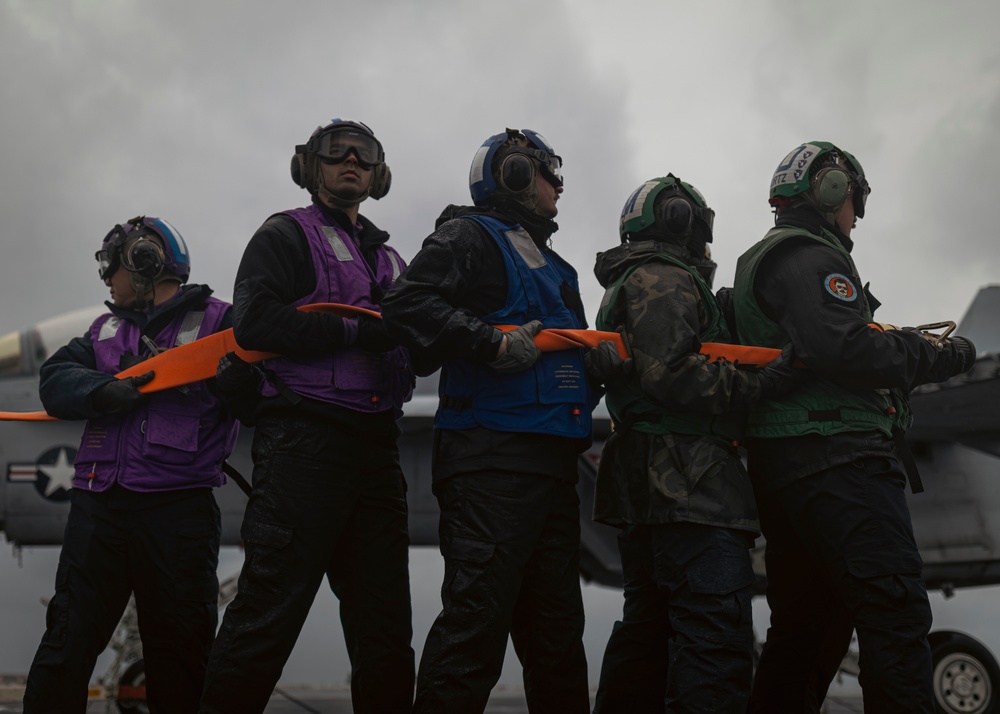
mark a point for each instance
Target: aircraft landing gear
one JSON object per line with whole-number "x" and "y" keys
{"x": 131, "y": 697}
{"x": 966, "y": 675}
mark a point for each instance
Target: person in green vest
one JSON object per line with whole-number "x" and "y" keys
{"x": 670, "y": 475}
{"x": 826, "y": 461}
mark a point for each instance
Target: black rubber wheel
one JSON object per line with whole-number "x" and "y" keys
{"x": 134, "y": 676}
{"x": 966, "y": 675}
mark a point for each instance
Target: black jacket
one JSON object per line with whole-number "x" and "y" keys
{"x": 457, "y": 277}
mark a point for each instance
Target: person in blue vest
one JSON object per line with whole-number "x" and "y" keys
{"x": 827, "y": 461}
{"x": 670, "y": 474}
{"x": 143, "y": 519}
{"x": 329, "y": 498}
{"x": 510, "y": 425}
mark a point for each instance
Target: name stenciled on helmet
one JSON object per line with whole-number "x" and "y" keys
{"x": 820, "y": 173}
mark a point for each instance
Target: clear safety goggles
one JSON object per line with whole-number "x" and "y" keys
{"x": 335, "y": 146}
{"x": 109, "y": 257}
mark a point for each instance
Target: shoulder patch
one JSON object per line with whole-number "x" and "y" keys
{"x": 841, "y": 287}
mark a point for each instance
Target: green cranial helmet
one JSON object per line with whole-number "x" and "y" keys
{"x": 674, "y": 218}
{"x": 797, "y": 173}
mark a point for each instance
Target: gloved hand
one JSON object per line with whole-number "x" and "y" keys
{"x": 521, "y": 351}
{"x": 957, "y": 356}
{"x": 234, "y": 374}
{"x": 372, "y": 335}
{"x": 605, "y": 365}
{"x": 237, "y": 384}
{"x": 121, "y": 395}
{"x": 778, "y": 377}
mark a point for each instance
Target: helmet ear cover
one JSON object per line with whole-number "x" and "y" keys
{"x": 298, "y": 168}
{"x": 381, "y": 181}
{"x": 144, "y": 257}
{"x": 830, "y": 187}
{"x": 304, "y": 167}
{"x": 516, "y": 172}
{"x": 676, "y": 216}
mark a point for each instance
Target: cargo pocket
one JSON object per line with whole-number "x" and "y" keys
{"x": 465, "y": 567}
{"x": 197, "y": 560}
{"x": 886, "y": 588}
{"x": 267, "y": 559}
{"x": 57, "y": 612}
{"x": 722, "y": 585}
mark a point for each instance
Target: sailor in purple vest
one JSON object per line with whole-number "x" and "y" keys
{"x": 510, "y": 426}
{"x": 329, "y": 499}
{"x": 143, "y": 520}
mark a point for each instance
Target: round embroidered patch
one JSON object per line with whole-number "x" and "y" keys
{"x": 841, "y": 287}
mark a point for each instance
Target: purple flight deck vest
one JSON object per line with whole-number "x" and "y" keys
{"x": 349, "y": 377}
{"x": 177, "y": 439}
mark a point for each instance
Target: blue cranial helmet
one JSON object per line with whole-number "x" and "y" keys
{"x": 506, "y": 164}
{"x": 128, "y": 244}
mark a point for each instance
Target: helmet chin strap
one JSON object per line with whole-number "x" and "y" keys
{"x": 327, "y": 195}
{"x": 527, "y": 198}
{"x": 143, "y": 287}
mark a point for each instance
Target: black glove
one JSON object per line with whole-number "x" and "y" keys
{"x": 957, "y": 356}
{"x": 372, "y": 335}
{"x": 605, "y": 365}
{"x": 237, "y": 383}
{"x": 121, "y": 395}
{"x": 779, "y": 377}
{"x": 234, "y": 374}
{"x": 521, "y": 351}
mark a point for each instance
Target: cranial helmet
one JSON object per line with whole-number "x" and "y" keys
{"x": 506, "y": 165}
{"x": 671, "y": 211}
{"x": 149, "y": 248}
{"x": 670, "y": 207}
{"x": 823, "y": 176}
{"x": 333, "y": 143}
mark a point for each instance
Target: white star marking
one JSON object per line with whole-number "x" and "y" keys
{"x": 60, "y": 473}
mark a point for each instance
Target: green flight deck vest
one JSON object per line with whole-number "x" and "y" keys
{"x": 822, "y": 407}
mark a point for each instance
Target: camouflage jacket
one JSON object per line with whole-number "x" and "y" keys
{"x": 649, "y": 478}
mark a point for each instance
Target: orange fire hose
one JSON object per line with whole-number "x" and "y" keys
{"x": 199, "y": 359}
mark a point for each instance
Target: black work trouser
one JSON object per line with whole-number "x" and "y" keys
{"x": 685, "y": 640}
{"x": 511, "y": 544}
{"x": 164, "y": 548}
{"x": 841, "y": 555}
{"x": 323, "y": 504}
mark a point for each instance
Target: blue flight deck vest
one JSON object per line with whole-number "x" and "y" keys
{"x": 552, "y": 396}
{"x": 349, "y": 377}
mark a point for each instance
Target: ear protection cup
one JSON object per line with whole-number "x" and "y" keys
{"x": 299, "y": 167}
{"x": 516, "y": 173}
{"x": 144, "y": 258}
{"x": 830, "y": 187}
{"x": 381, "y": 181}
{"x": 676, "y": 216}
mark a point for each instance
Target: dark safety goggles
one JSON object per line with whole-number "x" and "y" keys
{"x": 336, "y": 145}
{"x": 860, "y": 195}
{"x": 549, "y": 164}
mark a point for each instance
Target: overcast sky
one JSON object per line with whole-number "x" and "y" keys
{"x": 190, "y": 110}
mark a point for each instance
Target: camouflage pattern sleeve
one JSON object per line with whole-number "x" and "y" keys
{"x": 663, "y": 316}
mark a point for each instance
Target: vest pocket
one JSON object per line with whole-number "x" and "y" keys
{"x": 171, "y": 438}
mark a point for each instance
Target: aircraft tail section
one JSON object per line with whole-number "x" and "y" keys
{"x": 981, "y": 322}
